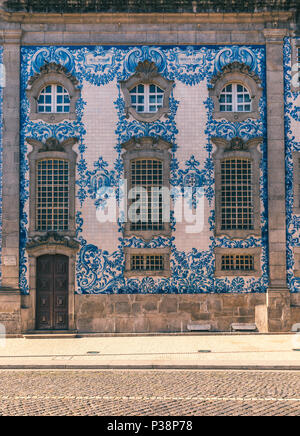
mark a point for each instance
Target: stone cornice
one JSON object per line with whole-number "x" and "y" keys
{"x": 275, "y": 36}
{"x": 11, "y": 36}
{"x": 150, "y": 18}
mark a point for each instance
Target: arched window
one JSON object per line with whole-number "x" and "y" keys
{"x": 235, "y": 98}
{"x": 54, "y": 99}
{"x": 52, "y": 195}
{"x": 53, "y": 94}
{"x": 147, "y": 98}
{"x": 147, "y": 93}
{"x": 236, "y": 92}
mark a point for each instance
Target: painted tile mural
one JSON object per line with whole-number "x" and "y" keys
{"x": 102, "y": 127}
{"x": 292, "y": 143}
{"x": 2, "y": 84}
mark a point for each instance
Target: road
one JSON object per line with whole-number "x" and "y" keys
{"x": 149, "y": 393}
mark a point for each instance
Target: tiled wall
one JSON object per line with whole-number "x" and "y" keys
{"x": 102, "y": 127}
{"x": 2, "y": 83}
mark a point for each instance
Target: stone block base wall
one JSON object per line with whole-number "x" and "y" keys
{"x": 10, "y": 311}
{"x": 295, "y": 309}
{"x": 163, "y": 313}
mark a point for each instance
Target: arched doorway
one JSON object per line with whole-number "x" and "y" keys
{"x": 52, "y": 283}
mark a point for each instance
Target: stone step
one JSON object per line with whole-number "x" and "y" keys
{"x": 243, "y": 327}
{"x": 50, "y": 334}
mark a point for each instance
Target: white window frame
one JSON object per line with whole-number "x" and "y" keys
{"x": 234, "y": 95}
{"x": 54, "y": 94}
{"x": 147, "y": 94}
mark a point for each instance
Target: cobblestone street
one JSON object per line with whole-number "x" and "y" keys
{"x": 164, "y": 393}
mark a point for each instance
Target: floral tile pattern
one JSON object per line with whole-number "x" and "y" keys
{"x": 101, "y": 271}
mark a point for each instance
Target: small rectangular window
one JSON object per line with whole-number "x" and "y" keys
{"x": 147, "y": 262}
{"x": 237, "y": 263}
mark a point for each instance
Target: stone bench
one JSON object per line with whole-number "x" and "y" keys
{"x": 199, "y": 327}
{"x": 296, "y": 328}
{"x": 243, "y": 327}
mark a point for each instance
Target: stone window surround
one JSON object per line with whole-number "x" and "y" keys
{"x": 225, "y": 152}
{"x": 40, "y": 151}
{"x": 147, "y": 148}
{"x": 147, "y": 73}
{"x": 252, "y": 251}
{"x": 296, "y": 251}
{"x": 295, "y": 47}
{"x": 29, "y": 301}
{"x": 165, "y": 252}
{"x": 241, "y": 74}
{"x": 52, "y": 74}
{"x": 296, "y": 182}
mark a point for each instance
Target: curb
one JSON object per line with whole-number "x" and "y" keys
{"x": 156, "y": 367}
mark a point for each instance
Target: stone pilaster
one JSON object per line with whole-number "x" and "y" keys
{"x": 11, "y": 134}
{"x": 278, "y": 299}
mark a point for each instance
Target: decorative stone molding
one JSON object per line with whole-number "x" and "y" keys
{"x": 51, "y": 244}
{"x": 236, "y": 73}
{"x": 52, "y": 73}
{"x": 147, "y": 73}
{"x": 237, "y": 148}
{"x": 147, "y": 148}
{"x": 52, "y": 238}
{"x": 253, "y": 251}
{"x": 52, "y": 144}
{"x": 165, "y": 252}
{"x": 52, "y": 149}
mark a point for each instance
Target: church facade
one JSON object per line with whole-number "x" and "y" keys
{"x": 150, "y": 168}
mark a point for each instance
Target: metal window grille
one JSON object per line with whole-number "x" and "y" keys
{"x": 235, "y": 98}
{"x": 147, "y": 98}
{"x": 52, "y": 195}
{"x": 148, "y": 174}
{"x": 237, "y": 263}
{"x": 54, "y": 99}
{"x": 236, "y": 194}
{"x": 147, "y": 263}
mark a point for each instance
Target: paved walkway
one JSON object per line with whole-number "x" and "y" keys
{"x": 149, "y": 393}
{"x": 137, "y": 352}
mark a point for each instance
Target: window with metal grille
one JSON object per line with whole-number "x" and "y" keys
{"x": 147, "y": 98}
{"x": 235, "y": 98}
{"x": 147, "y": 262}
{"x": 147, "y": 174}
{"x": 52, "y": 195}
{"x": 237, "y": 262}
{"x": 236, "y": 194}
{"x": 54, "y": 99}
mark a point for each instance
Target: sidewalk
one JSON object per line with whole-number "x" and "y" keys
{"x": 159, "y": 352}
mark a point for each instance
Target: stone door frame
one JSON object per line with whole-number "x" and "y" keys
{"x": 33, "y": 254}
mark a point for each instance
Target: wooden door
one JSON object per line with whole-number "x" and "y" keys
{"x": 52, "y": 292}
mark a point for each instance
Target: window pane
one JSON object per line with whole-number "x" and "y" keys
{"x": 52, "y": 195}
{"x": 236, "y": 194}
